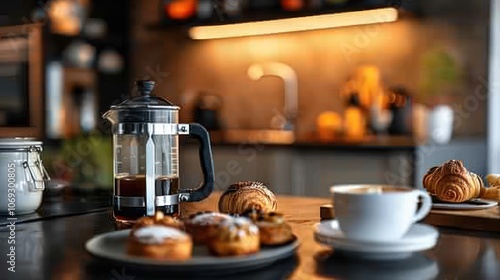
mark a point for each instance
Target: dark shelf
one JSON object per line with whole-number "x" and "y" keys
{"x": 277, "y": 13}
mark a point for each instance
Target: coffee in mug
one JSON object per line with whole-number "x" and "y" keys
{"x": 378, "y": 213}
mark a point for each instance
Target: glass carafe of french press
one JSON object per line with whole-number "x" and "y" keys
{"x": 146, "y": 156}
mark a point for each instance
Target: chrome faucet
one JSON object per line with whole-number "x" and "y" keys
{"x": 286, "y": 119}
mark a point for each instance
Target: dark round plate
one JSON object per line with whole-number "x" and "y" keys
{"x": 112, "y": 246}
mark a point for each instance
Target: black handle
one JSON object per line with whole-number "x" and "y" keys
{"x": 198, "y": 132}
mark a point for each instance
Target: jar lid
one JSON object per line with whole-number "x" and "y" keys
{"x": 18, "y": 142}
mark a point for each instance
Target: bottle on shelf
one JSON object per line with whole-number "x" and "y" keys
{"x": 292, "y": 5}
{"x": 354, "y": 118}
{"x": 180, "y": 9}
{"x": 205, "y": 9}
{"x": 233, "y": 8}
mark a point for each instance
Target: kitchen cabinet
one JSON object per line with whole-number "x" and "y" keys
{"x": 316, "y": 171}
{"x": 21, "y": 92}
{"x": 296, "y": 171}
{"x": 233, "y": 163}
{"x": 310, "y": 170}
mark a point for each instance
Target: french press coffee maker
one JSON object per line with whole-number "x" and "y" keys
{"x": 146, "y": 156}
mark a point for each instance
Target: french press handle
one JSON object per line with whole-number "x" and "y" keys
{"x": 199, "y": 133}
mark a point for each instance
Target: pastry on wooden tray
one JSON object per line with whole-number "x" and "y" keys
{"x": 202, "y": 226}
{"x": 273, "y": 228}
{"x": 493, "y": 180}
{"x": 160, "y": 242}
{"x": 235, "y": 237}
{"x": 493, "y": 192}
{"x": 452, "y": 182}
{"x": 242, "y": 196}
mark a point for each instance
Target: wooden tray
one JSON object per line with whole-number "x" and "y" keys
{"x": 484, "y": 219}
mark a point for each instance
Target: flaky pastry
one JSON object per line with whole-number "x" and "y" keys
{"x": 242, "y": 196}
{"x": 452, "y": 182}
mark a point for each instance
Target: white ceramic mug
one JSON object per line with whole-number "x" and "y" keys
{"x": 378, "y": 213}
{"x": 440, "y": 124}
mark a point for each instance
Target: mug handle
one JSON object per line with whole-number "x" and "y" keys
{"x": 198, "y": 132}
{"x": 426, "y": 206}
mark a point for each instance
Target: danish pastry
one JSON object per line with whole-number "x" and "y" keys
{"x": 203, "y": 225}
{"x": 273, "y": 229}
{"x": 158, "y": 219}
{"x": 235, "y": 236}
{"x": 160, "y": 242}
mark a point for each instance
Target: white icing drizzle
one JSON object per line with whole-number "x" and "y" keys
{"x": 253, "y": 229}
{"x": 241, "y": 225}
{"x": 157, "y": 234}
{"x": 209, "y": 218}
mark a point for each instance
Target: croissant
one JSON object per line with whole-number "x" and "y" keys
{"x": 452, "y": 182}
{"x": 493, "y": 180}
{"x": 242, "y": 196}
{"x": 493, "y": 192}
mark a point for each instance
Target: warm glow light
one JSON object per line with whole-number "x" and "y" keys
{"x": 255, "y": 72}
{"x": 294, "y": 24}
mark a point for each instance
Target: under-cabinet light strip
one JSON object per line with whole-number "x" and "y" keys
{"x": 294, "y": 24}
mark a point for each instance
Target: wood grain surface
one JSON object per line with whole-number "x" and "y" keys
{"x": 302, "y": 213}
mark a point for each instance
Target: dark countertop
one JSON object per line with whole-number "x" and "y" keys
{"x": 54, "y": 249}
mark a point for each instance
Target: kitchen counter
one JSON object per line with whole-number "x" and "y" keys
{"x": 368, "y": 142}
{"x": 54, "y": 249}
{"x": 260, "y": 137}
{"x": 308, "y": 166}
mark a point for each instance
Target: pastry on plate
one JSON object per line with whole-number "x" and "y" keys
{"x": 493, "y": 192}
{"x": 160, "y": 242}
{"x": 273, "y": 229}
{"x": 242, "y": 196}
{"x": 452, "y": 182}
{"x": 158, "y": 219}
{"x": 493, "y": 180}
{"x": 203, "y": 225}
{"x": 235, "y": 237}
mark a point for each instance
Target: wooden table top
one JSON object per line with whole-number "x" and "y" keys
{"x": 301, "y": 212}
{"x": 54, "y": 249}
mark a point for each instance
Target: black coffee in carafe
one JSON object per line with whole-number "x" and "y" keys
{"x": 133, "y": 187}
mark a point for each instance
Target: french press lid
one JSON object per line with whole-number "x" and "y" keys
{"x": 144, "y": 108}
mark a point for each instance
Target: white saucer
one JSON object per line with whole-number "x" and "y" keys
{"x": 420, "y": 237}
{"x": 473, "y": 204}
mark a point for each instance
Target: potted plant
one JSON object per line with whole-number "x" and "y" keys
{"x": 440, "y": 76}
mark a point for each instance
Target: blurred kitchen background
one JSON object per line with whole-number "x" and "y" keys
{"x": 378, "y": 102}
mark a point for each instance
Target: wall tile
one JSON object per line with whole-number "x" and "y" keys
{"x": 323, "y": 60}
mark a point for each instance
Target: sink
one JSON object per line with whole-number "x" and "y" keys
{"x": 264, "y": 136}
